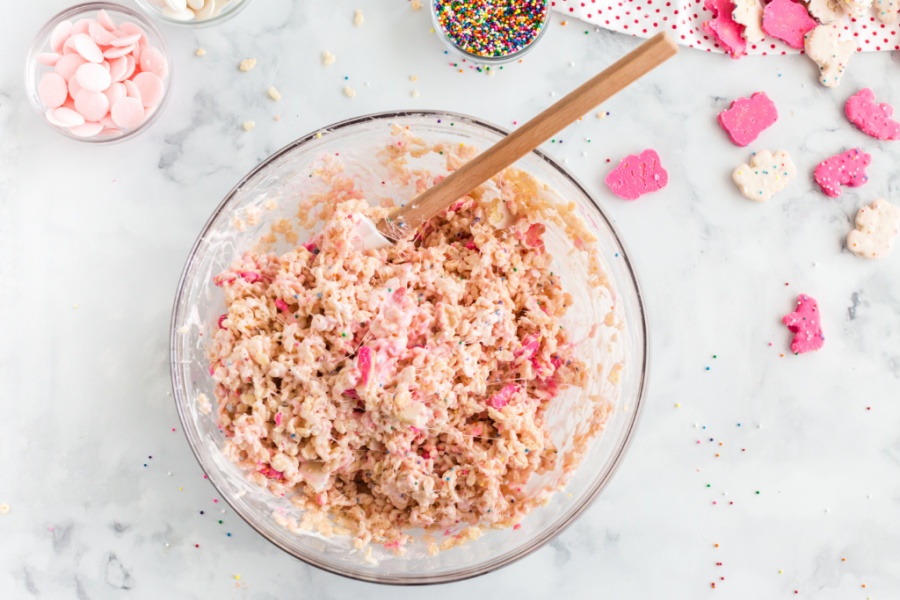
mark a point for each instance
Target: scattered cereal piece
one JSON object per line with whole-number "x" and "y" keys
{"x": 204, "y": 404}
{"x": 724, "y": 28}
{"x": 805, "y": 325}
{"x": 857, "y": 8}
{"x": 825, "y": 48}
{"x": 749, "y": 14}
{"x": 200, "y": 52}
{"x": 248, "y": 125}
{"x": 636, "y": 175}
{"x": 328, "y": 58}
{"x": 416, "y": 4}
{"x": 274, "y": 94}
{"x": 748, "y": 117}
{"x": 871, "y": 118}
{"x": 276, "y": 118}
{"x": 349, "y": 91}
{"x": 358, "y": 18}
{"x": 847, "y": 168}
{"x": 414, "y": 93}
{"x": 826, "y": 11}
{"x": 4, "y": 509}
{"x": 247, "y": 64}
{"x": 876, "y": 227}
{"x": 887, "y": 10}
{"x": 766, "y": 175}
{"x": 788, "y": 21}
{"x": 413, "y": 78}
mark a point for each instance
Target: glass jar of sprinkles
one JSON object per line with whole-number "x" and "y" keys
{"x": 490, "y": 31}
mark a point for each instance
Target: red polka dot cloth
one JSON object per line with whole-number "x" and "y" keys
{"x": 684, "y": 19}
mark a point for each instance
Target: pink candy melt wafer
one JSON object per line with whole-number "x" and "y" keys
{"x": 93, "y": 106}
{"x": 52, "y": 90}
{"x": 748, "y": 117}
{"x": 151, "y": 88}
{"x": 93, "y": 77}
{"x": 154, "y": 62}
{"x": 847, "y": 168}
{"x": 788, "y": 21}
{"x": 872, "y": 118}
{"x": 806, "y": 326}
{"x": 127, "y": 113}
{"x": 636, "y": 175}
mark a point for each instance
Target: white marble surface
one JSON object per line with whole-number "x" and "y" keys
{"x": 92, "y": 241}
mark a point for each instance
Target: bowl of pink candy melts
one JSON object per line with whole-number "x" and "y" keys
{"x": 98, "y": 72}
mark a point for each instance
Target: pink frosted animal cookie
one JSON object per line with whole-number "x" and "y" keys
{"x": 805, "y": 325}
{"x": 871, "y": 118}
{"x": 787, "y": 21}
{"x": 847, "y": 168}
{"x": 748, "y": 117}
{"x": 636, "y": 175}
{"x": 724, "y": 28}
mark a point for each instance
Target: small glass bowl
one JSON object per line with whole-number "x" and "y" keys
{"x": 35, "y": 69}
{"x": 480, "y": 59}
{"x": 223, "y": 11}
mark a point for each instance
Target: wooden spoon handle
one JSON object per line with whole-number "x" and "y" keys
{"x": 637, "y": 63}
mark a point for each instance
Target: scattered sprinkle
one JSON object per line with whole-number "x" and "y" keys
{"x": 247, "y": 64}
{"x": 200, "y": 52}
{"x": 414, "y": 93}
{"x": 249, "y": 125}
{"x": 4, "y": 509}
{"x": 413, "y": 77}
{"x": 349, "y": 91}
{"x": 274, "y": 94}
{"x": 358, "y": 18}
{"x": 328, "y": 58}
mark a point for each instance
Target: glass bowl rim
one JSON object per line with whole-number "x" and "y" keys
{"x": 43, "y": 35}
{"x": 465, "y": 573}
{"x": 222, "y": 17}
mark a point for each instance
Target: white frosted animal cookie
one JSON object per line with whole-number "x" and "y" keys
{"x": 857, "y": 8}
{"x": 766, "y": 175}
{"x": 876, "y": 227}
{"x": 749, "y": 14}
{"x": 887, "y": 10}
{"x": 824, "y": 46}
{"x": 827, "y": 11}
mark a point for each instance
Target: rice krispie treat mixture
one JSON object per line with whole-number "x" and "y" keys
{"x": 403, "y": 387}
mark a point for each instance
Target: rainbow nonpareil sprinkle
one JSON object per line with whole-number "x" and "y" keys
{"x": 491, "y": 28}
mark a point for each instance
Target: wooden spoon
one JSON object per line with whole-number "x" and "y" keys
{"x": 404, "y": 221}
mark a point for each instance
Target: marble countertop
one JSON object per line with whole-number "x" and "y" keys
{"x": 761, "y": 473}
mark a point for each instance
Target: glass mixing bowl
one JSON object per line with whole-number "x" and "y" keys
{"x": 271, "y": 192}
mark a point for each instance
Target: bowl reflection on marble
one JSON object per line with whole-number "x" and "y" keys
{"x": 272, "y": 192}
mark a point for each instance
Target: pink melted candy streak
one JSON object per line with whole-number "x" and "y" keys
{"x": 872, "y": 118}
{"x": 501, "y": 398}
{"x": 724, "y": 27}
{"x": 364, "y": 363}
{"x": 847, "y": 168}
{"x": 806, "y": 326}
{"x": 250, "y": 276}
